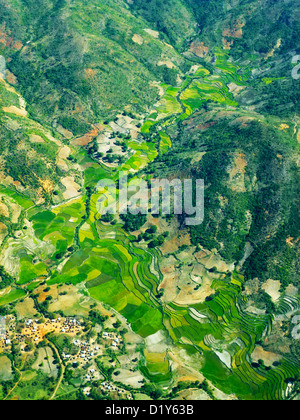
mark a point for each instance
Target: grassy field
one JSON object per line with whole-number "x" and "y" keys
{"x": 23, "y": 201}
{"x": 12, "y": 296}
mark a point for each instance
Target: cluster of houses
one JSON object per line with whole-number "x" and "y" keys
{"x": 107, "y": 387}
{"x": 7, "y": 329}
{"x": 114, "y": 339}
{"x": 86, "y": 352}
{"x": 35, "y": 331}
{"x": 85, "y": 358}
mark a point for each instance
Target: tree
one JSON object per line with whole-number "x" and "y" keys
{"x": 117, "y": 324}
{"x": 133, "y": 222}
{"x": 5, "y": 279}
{"x": 152, "y": 390}
{"x": 152, "y": 229}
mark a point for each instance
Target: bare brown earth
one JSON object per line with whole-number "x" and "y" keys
{"x": 90, "y": 73}
{"x": 175, "y": 243}
{"x": 199, "y": 49}
{"x": 153, "y": 33}
{"x": 47, "y": 185}
{"x": 229, "y": 34}
{"x": 188, "y": 295}
{"x": 89, "y": 137}
{"x": 6, "y": 39}
{"x": 237, "y": 173}
{"x": 210, "y": 259}
{"x": 268, "y": 357}
{"x": 235, "y": 32}
{"x": 137, "y": 39}
{"x": 271, "y": 53}
{"x": 36, "y": 139}
{"x": 272, "y": 287}
{"x": 26, "y": 308}
{"x": 3, "y": 209}
{"x": 72, "y": 188}
{"x": 171, "y": 277}
{"x": 11, "y": 78}
{"x": 166, "y": 63}
{"x": 3, "y": 232}
{"x": 63, "y": 154}
{"x": 16, "y": 111}
{"x": 235, "y": 89}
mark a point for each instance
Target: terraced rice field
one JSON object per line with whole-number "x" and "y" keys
{"x": 165, "y": 143}
{"x": 114, "y": 270}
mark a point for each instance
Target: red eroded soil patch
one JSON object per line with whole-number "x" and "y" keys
{"x": 90, "y": 73}
{"x": 17, "y": 184}
{"x": 205, "y": 126}
{"x": 42, "y": 297}
{"x": 18, "y": 45}
{"x": 235, "y": 32}
{"x": 6, "y": 40}
{"x": 193, "y": 125}
{"x": 89, "y": 137}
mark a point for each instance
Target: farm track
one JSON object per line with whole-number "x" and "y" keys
{"x": 20, "y": 377}
{"x": 62, "y": 367}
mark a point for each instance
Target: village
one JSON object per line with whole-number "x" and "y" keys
{"x": 37, "y": 332}
{"x": 7, "y": 331}
{"x": 108, "y": 387}
{"x": 88, "y": 351}
{"x": 83, "y": 352}
{"x": 32, "y": 330}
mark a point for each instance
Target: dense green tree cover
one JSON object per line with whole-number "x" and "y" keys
{"x": 133, "y": 222}
{"x": 5, "y": 279}
{"x": 264, "y": 214}
{"x": 96, "y": 317}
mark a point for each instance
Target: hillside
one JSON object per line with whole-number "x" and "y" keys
{"x": 144, "y": 306}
